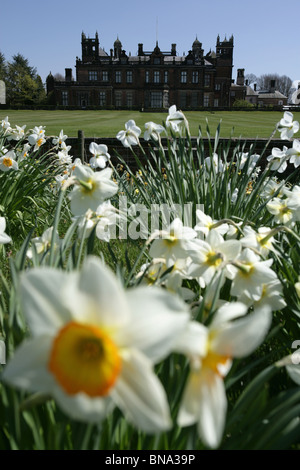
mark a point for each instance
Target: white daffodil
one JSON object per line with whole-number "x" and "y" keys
{"x": 91, "y": 189}
{"x": 249, "y": 161}
{"x": 59, "y": 140}
{"x": 283, "y": 214}
{"x": 131, "y": 134}
{"x": 100, "y": 155}
{"x": 211, "y": 351}
{"x": 5, "y": 124}
{"x": 214, "y": 162}
{"x": 294, "y": 153}
{"x": 104, "y": 218}
{"x": 287, "y": 127}
{"x": 8, "y": 161}
{"x": 23, "y": 154}
{"x": 4, "y": 238}
{"x": 278, "y": 159}
{"x": 259, "y": 240}
{"x": 93, "y": 345}
{"x": 205, "y": 223}
{"x": 293, "y": 202}
{"x": 177, "y": 121}
{"x": 17, "y": 133}
{"x": 270, "y": 188}
{"x": 172, "y": 242}
{"x": 37, "y": 138}
{"x": 212, "y": 255}
{"x": 153, "y": 131}
{"x": 43, "y": 243}
{"x": 249, "y": 274}
{"x": 271, "y": 297}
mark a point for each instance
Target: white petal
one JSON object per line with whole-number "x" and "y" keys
{"x": 294, "y": 372}
{"x": 95, "y": 296}
{"x": 193, "y": 339}
{"x": 158, "y": 317}
{"x": 189, "y": 410}
{"x": 140, "y": 395}
{"x": 242, "y": 337}
{"x": 82, "y": 407}
{"x": 28, "y": 367}
{"x": 41, "y": 299}
{"x": 212, "y": 408}
{"x": 229, "y": 312}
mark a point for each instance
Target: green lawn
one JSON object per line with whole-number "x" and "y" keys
{"x": 247, "y": 124}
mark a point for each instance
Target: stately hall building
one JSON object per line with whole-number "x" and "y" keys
{"x": 149, "y": 80}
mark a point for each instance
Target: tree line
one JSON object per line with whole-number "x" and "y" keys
{"x": 283, "y": 83}
{"x": 23, "y": 84}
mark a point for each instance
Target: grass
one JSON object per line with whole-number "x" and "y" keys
{"x": 245, "y": 124}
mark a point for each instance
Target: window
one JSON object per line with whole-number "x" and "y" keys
{"x": 232, "y": 93}
{"x": 64, "y": 98}
{"x": 105, "y": 76}
{"x": 156, "y": 60}
{"x": 206, "y": 100}
{"x": 206, "y": 80}
{"x": 166, "y": 76}
{"x": 129, "y": 76}
{"x": 195, "y": 77}
{"x": 156, "y": 99}
{"x": 280, "y": 102}
{"x": 129, "y": 100}
{"x": 183, "y": 76}
{"x": 183, "y": 100}
{"x": 194, "y": 99}
{"x": 102, "y": 98}
{"x": 118, "y": 99}
{"x": 156, "y": 76}
{"x": 118, "y": 77}
{"x": 218, "y": 86}
{"x": 216, "y": 102}
{"x": 147, "y": 76}
{"x": 92, "y": 75}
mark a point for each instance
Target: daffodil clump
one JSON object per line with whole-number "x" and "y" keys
{"x": 188, "y": 339}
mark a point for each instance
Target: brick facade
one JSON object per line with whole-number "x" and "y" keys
{"x": 150, "y": 80}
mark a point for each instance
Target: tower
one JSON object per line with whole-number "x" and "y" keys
{"x": 117, "y": 48}
{"x": 90, "y": 48}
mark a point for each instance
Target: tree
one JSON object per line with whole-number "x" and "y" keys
{"x": 3, "y": 67}
{"x": 24, "y": 85}
{"x": 58, "y": 77}
{"x": 251, "y": 78}
{"x": 282, "y": 83}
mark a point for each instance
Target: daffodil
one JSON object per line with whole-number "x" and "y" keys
{"x": 176, "y": 120}
{"x": 91, "y": 189}
{"x": 59, "y": 140}
{"x": 153, "y": 130}
{"x": 37, "y": 138}
{"x": 287, "y": 127}
{"x": 93, "y": 344}
{"x": 4, "y": 238}
{"x": 100, "y": 155}
{"x": 43, "y": 243}
{"x": 205, "y": 223}
{"x": 172, "y": 242}
{"x": 283, "y": 214}
{"x": 131, "y": 134}
{"x": 212, "y": 255}
{"x": 211, "y": 351}
{"x": 249, "y": 274}
{"x": 278, "y": 159}
{"x": 8, "y": 161}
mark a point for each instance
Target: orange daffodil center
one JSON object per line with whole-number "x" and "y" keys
{"x": 84, "y": 359}
{"x": 7, "y": 162}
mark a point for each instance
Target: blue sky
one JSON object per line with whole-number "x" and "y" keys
{"x": 48, "y": 34}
